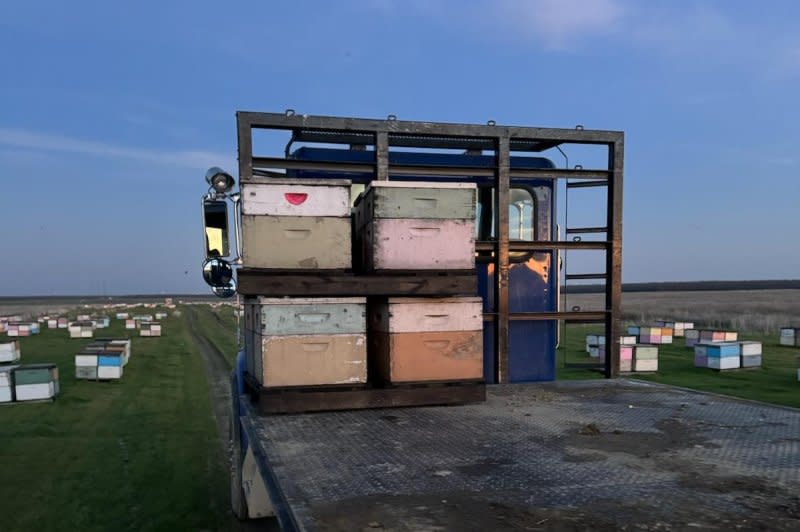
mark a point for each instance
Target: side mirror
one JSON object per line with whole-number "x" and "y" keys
{"x": 225, "y": 292}
{"x": 217, "y": 273}
{"x": 215, "y": 225}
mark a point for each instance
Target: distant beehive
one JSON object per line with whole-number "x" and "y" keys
{"x": 35, "y": 382}
{"x": 103, "y": 360}
{"x": 63, "y": 323}
{"x": 416, "y": 226}
{"x": 52, "y": 323}
{"x": 9, "y": 351}
{"x": 122, "y": 315}
{"x": 81, "y": 329}
{"x": 645, "y": 358}
{"x": 150, "y": 328}
{"x": 790, "y": 336}
{"x": 307, "y": 220}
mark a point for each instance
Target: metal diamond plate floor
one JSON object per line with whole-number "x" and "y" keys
{"x": 593, "y": 455}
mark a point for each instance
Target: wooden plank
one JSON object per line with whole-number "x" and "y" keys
{"x": 252, "y": 282}
{"x": 271, "y": 402}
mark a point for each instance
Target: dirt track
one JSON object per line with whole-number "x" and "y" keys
{"x": 219, "y": 372}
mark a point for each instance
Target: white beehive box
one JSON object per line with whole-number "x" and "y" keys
{"x": 9, "y": 351}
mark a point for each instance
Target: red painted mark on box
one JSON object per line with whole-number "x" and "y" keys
{"x": 296, "y": 198}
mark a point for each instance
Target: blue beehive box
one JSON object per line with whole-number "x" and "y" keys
{"x": 633, "y": 330}
{"x": 723, "y": 350}
{"x": 109, "y": 359}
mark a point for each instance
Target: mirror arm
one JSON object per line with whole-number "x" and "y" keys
{"x": 237, "y": 228}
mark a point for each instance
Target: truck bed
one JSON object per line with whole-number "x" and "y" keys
{"x": 591, "y": 455}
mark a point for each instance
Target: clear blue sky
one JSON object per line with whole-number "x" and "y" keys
{"x": 110, "y": 112}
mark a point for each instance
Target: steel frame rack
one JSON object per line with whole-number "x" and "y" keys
{"x": 502, "y": 140}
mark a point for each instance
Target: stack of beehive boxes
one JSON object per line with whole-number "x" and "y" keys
{"x": 52, "y": 323}
{"x": 301, "y": 341}
{"x": 142, "y": 318}
{"x": 708, "y": 336}
{"x": 790, "y": 336}
{"x": 35, "y": 382}
{"x": 101, "y": 322}
{"x": 130, "y": 323}
{"x": 718, "y": 355}
{"x": 645, "y": 358}
{"x": 420, "y": 226}
{"x": 9, "y": 352}
{"x": 63, "y": 323}
{"x": 81, "y": 329}
{"x": 750, "y": 354}
{"x": 307, "y": 341}
{"x": 655, "y": 335}
{"x": 150, "y": 328}
{"x": 103, "y": 360}
{"x": 678, "y": 327}
{"x": 7, "y": 384}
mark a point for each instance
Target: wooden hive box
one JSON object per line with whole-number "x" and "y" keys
{"x": 7, "y": 384}
{"x": 645, "y": 358}
{"x": 789, "y": 336}
{"x": 296, "y": 224}
{"x": 626, "y": 358}
{"x": 416, "y": 226}
{"x": 9, "y": 351}
{"x": 306, "y": 341}
{"x": 34, "y": 382}
{"x": 426, "y": 339}
{"x": 723, "y": 355}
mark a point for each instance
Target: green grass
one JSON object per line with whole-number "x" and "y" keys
{"x": 219, "y": 325}
{"x": 138, "y": 454}
{"x": 776, "y": 381}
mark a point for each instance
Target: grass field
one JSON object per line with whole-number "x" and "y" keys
{"x": 776, "y": 382}
{"x": 138, "y": 454}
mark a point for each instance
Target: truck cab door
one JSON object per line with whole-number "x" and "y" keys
{"x": 533, "y": 278}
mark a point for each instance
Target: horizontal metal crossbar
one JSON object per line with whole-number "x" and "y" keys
{"x": 588, "y": 184}
{"x": 585, "y": 230}
{"x": 581, "y": 316}
{"x": 545, "y": 245}
{"x": 430, "y": 170}
{"x": 414, "y": 129}
{"x": 584, "y": 276}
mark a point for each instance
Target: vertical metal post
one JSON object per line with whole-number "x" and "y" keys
{"x": 614, "y": 257}
{"x": 503, "y": 161}
{"x": 245, "y": 136}
{"x": 382, "y": 156}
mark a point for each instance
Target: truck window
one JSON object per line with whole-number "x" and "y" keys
{"x": 521, "y": 215}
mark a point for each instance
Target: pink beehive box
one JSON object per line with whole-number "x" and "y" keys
{"x": 416, "y": 226}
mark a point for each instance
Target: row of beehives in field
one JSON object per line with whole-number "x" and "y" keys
{"x": 393, "y": 226}
{"x": 633, "y": 355}
{"x": 103, "y": 359}
{"x": 84, "y": 326}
